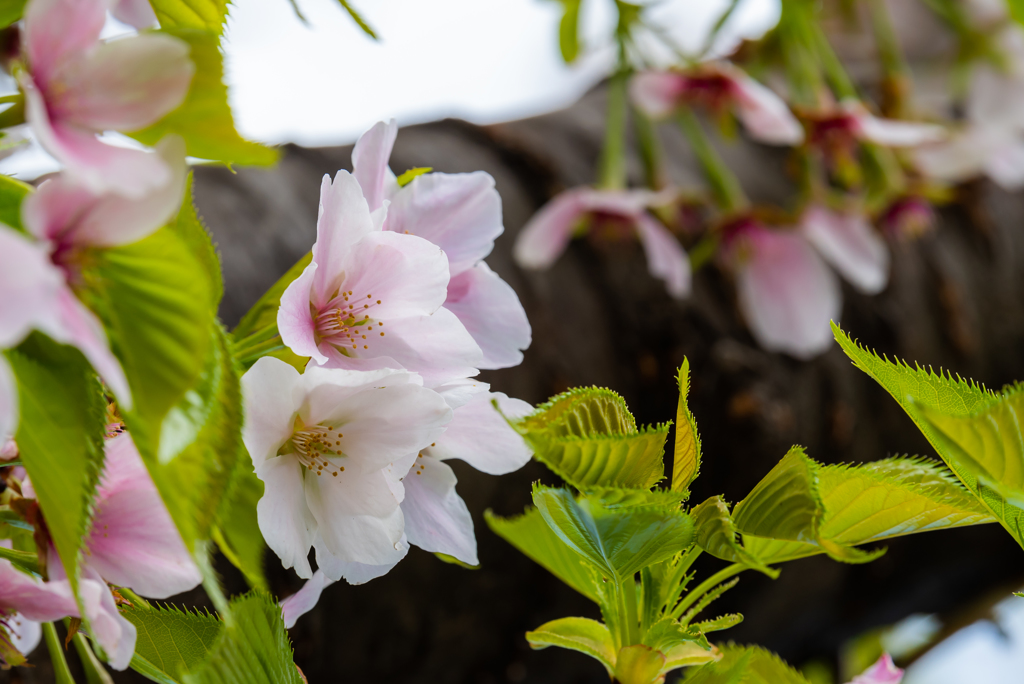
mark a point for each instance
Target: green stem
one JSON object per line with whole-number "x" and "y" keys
{"x": 835, "y": 72}
{"x": 650, "y": 151}
{"x": 802, "y": 70}
{"x": 612, "y": 174}
{"x": 678, "y": 575}
{"x": 94, "y": 672}
{"x": 61, "y": 672}
{"x": 896, "y": 82}
{"x": 705, "y": 586}
{"x": 725, "y": 186}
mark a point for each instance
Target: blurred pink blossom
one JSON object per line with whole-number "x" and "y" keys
{"x": 882, "y": 672}
{"x": 850, "y": 245}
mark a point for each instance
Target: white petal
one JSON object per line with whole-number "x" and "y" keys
{"x": 357, "y": 573}
{"x": 492, "y": 313}
{"x": 665, "y": 256}
{"x": 305, "y": 599}
{"x": 370, "y": 161}
{"x": 962, "y": 156}
{"x": 25, "y": 634}
{"x": 285, "y": 520}
{"x": 272, "y": 393}
{"x": 851, "y": 245}
{"x": 8, "y": 401}
{"x": 436, "y": 517}
{"x": 480, "y": 436}
{"x": 764, "y": 114}
{"x": 1006, "y": 166}
{"x": 343, "y": 220}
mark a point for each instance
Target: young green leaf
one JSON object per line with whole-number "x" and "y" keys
{"x": 193, "y": 232}
{"x": 532, "y": 536}
{"x": 60, "y": 438}
{"x": 639, "y": 664}
{"x": 667, "y": 633}
{"x": 171, "y": 641}
{"x": 568, "y": 31}
{"x": 749, "y": 665}
{"x": 204, "y": 119}
{"x": 579, "y": 634}
{"x": 727, "y": 621}
{"x": 12, "y": 192}
{"x": 253, "y": 650}
{"x": 686, "y": 462}
{"x": 716, "y": 534}
{"x": 197, "y": 14}
{"x": 237, "y": 532}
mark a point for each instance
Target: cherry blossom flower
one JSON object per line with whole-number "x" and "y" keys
{"x": 850, "y": 245}
{"x": 77, "y": 86}
{"x": 461, "y": 214}
{"x": 992, "y": 140}
{"x": 548, "y": 233}
{"x": 838, "y": 128}
{"x": 25, "y": 601}
{"x": 720, "y": 87}
{"x": 786, "y": 292}
{"x": 882, "y": 672}
{"x": 373, "y": 299}
{"x": 39, "y": 278}
{"x": 331, "y": 446}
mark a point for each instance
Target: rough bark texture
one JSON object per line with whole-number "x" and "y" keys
{"x": 955, "y": 301}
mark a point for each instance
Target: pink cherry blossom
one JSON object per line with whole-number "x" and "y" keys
{"x": 136, "y": 13}
{"x": 839, "y": 127}
{"x": 77, "y": 86}
{"x": 305, "y": 599}
{"x": 850, "y": 244}
{"x": 461, "y": 214}
{"x": 720, "y": 87}
{"x": 882, "y": 672}
{"x": 26, "y": 600}
{"x": 331, "y": 446}
{"x": 786, "y": 292}
{"x": 548, "y": 233}
{"x": 39, "y": 278}
{"x": 373, "y": 299}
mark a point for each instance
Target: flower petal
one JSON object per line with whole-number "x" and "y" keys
{"x": 882, "y": 672}
{"x": 106, "y": 624}
{"x": 343, "y": 220}
{"x": 665, "y": 256}
{"x": 33, "y": 598}
{"x": 460, "y": 213}
{"x": 295, "y": 321}
{"x": 60, "y": 31}
{"x": 305, "y": 599}
{"x": 491, "y": 312}
{"x": 356, "y": 573}
{"x": 995, "y": 100}
{"x": 479, "y": 435}
{"x": 370, "y": 161}
{"x": 133, "y": 541}
{"x": 272, "y": 397}
{"x": 788, "y": 295}
{"x": 656, "y": 93}
{"x": 890, "y": 132}
{"x": 436, "y": 517}
{"x": 851, "y": 245}
{"x": 8, "y": 404}
{"x": 962, "y": 156}
{"x": 1006, "y": 165}
{"x": 764, "y": 114}
{"x": 29, "y": 287}
{"x": 25, "y": 634}
{"x": 123, "y": 85}
{"x": 284, "y": 518}
{"x": 547, "y": 234}
{"x": 136, "y": 13}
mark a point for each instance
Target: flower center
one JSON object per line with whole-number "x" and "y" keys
{"x": 313, "y": 445}
{"x": 345, "y": 322}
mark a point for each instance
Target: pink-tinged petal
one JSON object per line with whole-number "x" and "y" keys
{"x": 305, "y": 599}
{"x": 25, "y": 634}
{"x": 850, "y": 244}
{"x": 33, "y": 598}
{"x": 656, "y": 93}
{"x": 78, "y": 326}
{"x": 884, "y": 671}
{"x": 890, "y": 132}
{"x": 460, "y": 213}
{"x": 665, "y": 256}
{"x": 458, "y": 393}
{"x": 395, "y": 276}
{"x": 284, "y": 518}
{"x": 479, "y": 435}
{"x": 358, "y": 518}
{"x": 136, "y": 13}
{"x": 764, "y": 114}
{"x": 106, "y": 624}
{"x": 625, "y": 203}
{"x": 55, "y": 207}
{"x": 99, "y": 166}
{"x": 356, "y": 573}
{"x": 8, "y": 405}
{"x": 491, "y": 312}
{"x": 438, "y": 347}
{"x": 272, "y": 396}
{"x": 58, "y": 32}
{"x": 370, "y": 161}
{"x": 295, "y": 321}
{"x": 547, "y": 234}
{"x": 1006, "y": 165}
{"x": 995, "y": 100}
{"x": 343, "y": 220}
{"x": 436, "y": 517}
{"x": 123, "y": 85}
{"x": 29, "y": 287}
{"x": 787, "y": 294}
{"x": 133, "y": 541}
{"x": 961, "y": 157}
{"x": 387, "y": 416}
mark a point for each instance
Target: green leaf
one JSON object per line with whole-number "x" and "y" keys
{"x": 11, "y": 11}
{"x": 727, "y": 621}
{"x": 707, "y": 599}
{"x": 204, "y": 119}
{"x": 412, "y": 174}
{"x": 25, "y": 560}
{"x": 639, "y": 664}
{"x": 263, "y": 313}
{"x": 193, "y": 232}
{"x": 238, "y": 533}
{"x": 196, "y": 14}
{"x": 12, "y": 193}
{"x": 617, "y": 544}
{"x": 171, "y": 641}
{"x": 747, "y": 665}
{"x": 785, "y": 504}
{"x": 568, "y": 31}
{"x": 254, "y": 649}
{"x": 588, "y": 437}
{"x": 579, "y": 634}
{"x": 356, "y": 17}
{"x": 716, "y": 534}
{"x": 532, "y": 536}
{"x": 686, "y": 462}
{"x": 667, "y": 633}
{"x": 60, "y": 439}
